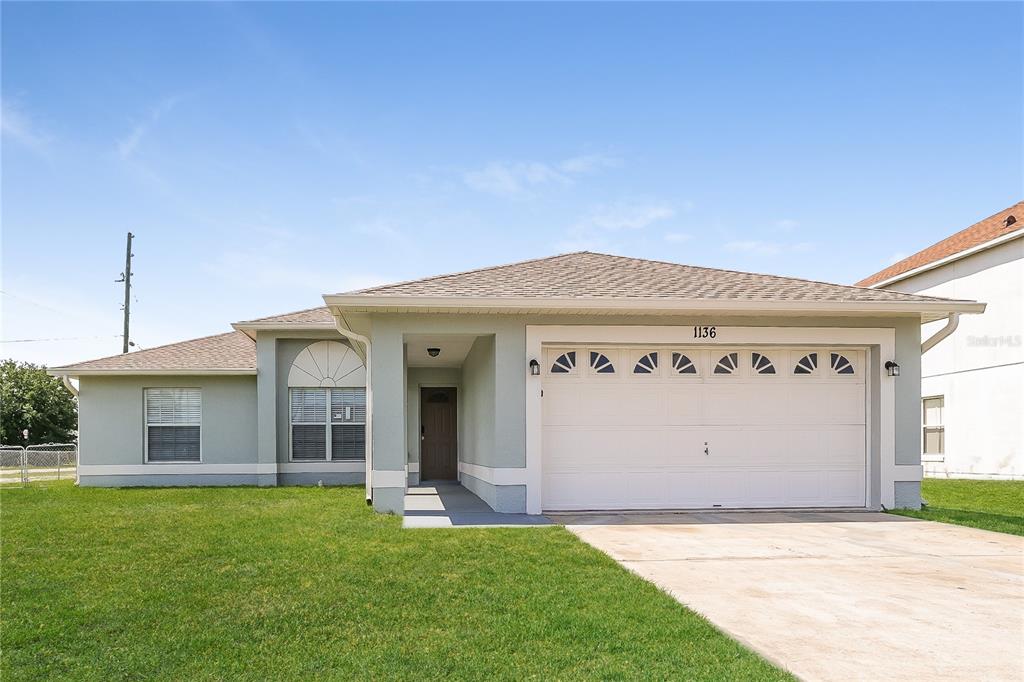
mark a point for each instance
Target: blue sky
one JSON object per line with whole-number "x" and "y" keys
{"x": 264, "y": 154}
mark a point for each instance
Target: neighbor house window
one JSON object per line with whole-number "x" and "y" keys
{"x": 173, "y": 424}
{"x": 934, "y": 436}
{"x": 328, "y": 423}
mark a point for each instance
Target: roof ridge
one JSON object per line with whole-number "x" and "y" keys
{"x": 432, "y": 278}
{"x": 154, "y": 348}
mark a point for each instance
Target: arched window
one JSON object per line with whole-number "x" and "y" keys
{"x": 564, "y": 363}
{"x": 682, "y": 364}
{"x": 807, "y": 364}
{"x": 327, "y": 403}
{"x": 841, "y": 365}
{"x": 600, "y": 363}
{"x": 728, "y": 364}
{"x": 647, "y": 364}
{"x": 761, "y": 364}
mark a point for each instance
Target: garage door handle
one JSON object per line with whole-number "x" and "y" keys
{"x": 706, "y": 452}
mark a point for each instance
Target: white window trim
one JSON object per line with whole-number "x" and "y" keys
{"x": 928, "y": 456}
{"x": 146, "y": 424}
{"x": 327, "y": 427}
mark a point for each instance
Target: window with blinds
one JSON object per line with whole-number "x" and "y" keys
{"x": 319, "y": 434}
{"x": 173, "y": 424}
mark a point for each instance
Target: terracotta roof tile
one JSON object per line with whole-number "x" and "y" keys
{"x": 977, "y": 234}
{"x": 588, "y": 276}
{"x": 231, "y": 351}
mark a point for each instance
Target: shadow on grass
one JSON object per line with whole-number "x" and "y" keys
{"x": 1003, "y": 523}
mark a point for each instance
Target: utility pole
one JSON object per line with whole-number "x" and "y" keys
{"x": 126, "y": 277}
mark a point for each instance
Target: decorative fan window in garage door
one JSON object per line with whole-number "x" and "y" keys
{"x": 564, "y": 363}
{"x": 647, "y": 364}
{"x": 682, "y": 364}
{"x": 841, "y": 365}
{"x": 600, "y": 363}
{"x": 761, "y": 364}
{"x": 728, "y": 364}
{"x": 807, "y": 364}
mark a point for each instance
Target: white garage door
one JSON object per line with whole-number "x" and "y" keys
{"x": 677, "y": 427}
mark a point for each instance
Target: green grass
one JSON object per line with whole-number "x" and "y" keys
{"x": 991, "y": 505}
{"x": 307, "y": 583}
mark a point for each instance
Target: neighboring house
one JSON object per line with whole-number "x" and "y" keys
{"x": 576, "y": 382}
{"x": 972, "y": 410}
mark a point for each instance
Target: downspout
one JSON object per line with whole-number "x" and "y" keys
{"x": 951, "y": 324}
{"x": 68, "y": 385}
{"x": 359, "y": 338}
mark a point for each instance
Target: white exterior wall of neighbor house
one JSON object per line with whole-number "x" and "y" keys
{"x": 979, "y": 369}
{"x": 500, "y": 470}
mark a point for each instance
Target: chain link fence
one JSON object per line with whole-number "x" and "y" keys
{"x": 49, "y": 462}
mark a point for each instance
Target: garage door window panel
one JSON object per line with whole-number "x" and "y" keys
{"x": 805, "y": 363}
{"x": 602, "y": 362}
{"x": 727, "y": 364}
{"x": 563, "y": 362}
{"x": 646, "y": 363}
{"x": 762, "y": 364}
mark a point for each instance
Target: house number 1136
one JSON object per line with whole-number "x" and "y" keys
{"x": 704, "y": 332}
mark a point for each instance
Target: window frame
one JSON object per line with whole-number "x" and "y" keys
{"x": 146, "y": 424}
{"x": 328, "y": 424}
{"x": 940, "y": 427}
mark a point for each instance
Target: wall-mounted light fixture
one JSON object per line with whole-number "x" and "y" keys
{"x": 534, "y": 368}
{"x": 433, "y": 352}
{"x": 892, "y": 369}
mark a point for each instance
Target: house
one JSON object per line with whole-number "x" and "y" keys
{"x": 972, "y": 385}
{"x": 577, "y": 382}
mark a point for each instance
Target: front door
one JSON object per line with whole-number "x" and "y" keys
{"x": 439, "y": 443}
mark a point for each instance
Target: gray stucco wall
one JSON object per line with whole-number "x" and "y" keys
{"x": 478, "y": 404}
{"x": 111, "y": 419}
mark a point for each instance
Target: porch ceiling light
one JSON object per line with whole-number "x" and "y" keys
{"x": 892, "y": 369}
{"x": 433, "y": 352}
{"x": 534, "y": 368}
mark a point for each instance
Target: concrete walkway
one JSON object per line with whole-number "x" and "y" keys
{"x": 837, "y": 596}
{"x": 446, "y": 504}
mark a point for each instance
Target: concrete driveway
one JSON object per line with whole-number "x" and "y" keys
{"x": 837, "y": 596}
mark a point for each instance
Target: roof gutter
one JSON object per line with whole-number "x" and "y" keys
{"x": 378, "y": 303}
{"x": 355, "y": 338}
{"x": 66, "y": 380}
{"x": 952, "y": 322}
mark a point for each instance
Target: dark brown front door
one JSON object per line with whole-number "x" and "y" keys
{"x": 439, "y": 443}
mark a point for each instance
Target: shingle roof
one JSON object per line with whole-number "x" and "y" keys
{"x": 593, "y": 276}
{"x": 233, "y": 351}
{"x": 321, "y": 315}
{"x": 977, "y": 234}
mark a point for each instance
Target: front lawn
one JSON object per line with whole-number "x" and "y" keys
{"x": 302, "y": 583}
{"x": 992, "y": 505}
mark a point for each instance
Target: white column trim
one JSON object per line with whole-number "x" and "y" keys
{"x": 170, "y": 468}
{"x": 495, "y": 475}
{"x": 883, "y": 337}
{"x": 387, "y": 478}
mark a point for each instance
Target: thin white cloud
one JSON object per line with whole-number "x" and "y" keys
{"x": 17, "y": 125}
{"x": 764, "y": 248}
{"x": 129, "y": 144}
{"x": 382, "y": 229}
{"x": 677, "y": 237}
{"x": 521, "y": 179}
{"x": 587, "y": 163}
{"x": 512, "y": 180}
{"x": 592, "y": 232}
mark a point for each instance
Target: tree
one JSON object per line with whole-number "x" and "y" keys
{"x": 32, "y": 399}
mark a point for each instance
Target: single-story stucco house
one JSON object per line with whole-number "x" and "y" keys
{"x": 577, "y": 382}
